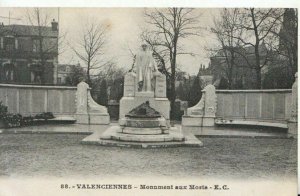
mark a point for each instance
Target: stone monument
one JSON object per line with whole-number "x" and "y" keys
{"x": 87, "y": 110}
{"x": 144, "y": 120}
{"x": 204, "y": 112}
{"x": 145, "y": 83}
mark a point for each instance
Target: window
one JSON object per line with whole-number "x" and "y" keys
{"x": 9, "y": 43}
{"x": 8, "y": 72}
{"x": 59, "y": 80}
{"x": 35, "y": 45}
{"x": 67, "y": 69}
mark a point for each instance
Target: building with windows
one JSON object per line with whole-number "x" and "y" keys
{"x": 28, "y": 54}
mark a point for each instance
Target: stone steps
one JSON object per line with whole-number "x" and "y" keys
{"x": 114, "y": 143}
{"x": 143, "y": 131}
{"x": 113, "y": 137}
{"x": 146, "y": 138}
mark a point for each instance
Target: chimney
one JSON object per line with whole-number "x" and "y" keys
{"x": 54, "y": 25}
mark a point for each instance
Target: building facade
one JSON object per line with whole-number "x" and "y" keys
{"x": 28, "y": 54}
{"x": 243, "y": 73}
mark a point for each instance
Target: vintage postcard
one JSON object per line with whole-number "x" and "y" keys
{"x": 166, "y": 99}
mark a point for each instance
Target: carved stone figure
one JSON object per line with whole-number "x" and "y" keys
{"x": 207, "y": 106}
{"x": 145, "y": 68}
{"x": 87, "y": 110}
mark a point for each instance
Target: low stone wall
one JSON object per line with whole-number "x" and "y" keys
{"x": 257, "y": 105}
{"x": 31, "y": 99}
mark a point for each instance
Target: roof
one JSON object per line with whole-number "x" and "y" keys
{"x": 249, "y": 50}
{"x": 29, "y": 30}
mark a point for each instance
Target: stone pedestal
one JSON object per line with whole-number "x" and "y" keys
{"x": 293, "y": 128}
{"x": 99, "y": 119}
{"x": 198, "y": 121}
{"x": 87, "y": 110}
{"x": 82, "y": 118}
{"x": 133, "y": 98}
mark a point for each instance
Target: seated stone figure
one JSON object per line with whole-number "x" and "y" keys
{"x": 146, "y": 69}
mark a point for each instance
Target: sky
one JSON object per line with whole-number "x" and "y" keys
{"x": 124, "y": 29}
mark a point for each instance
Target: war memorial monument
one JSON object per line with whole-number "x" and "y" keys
{"x": 144, "y": 120}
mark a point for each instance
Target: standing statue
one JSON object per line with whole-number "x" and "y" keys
{"x": 145, "y": 68}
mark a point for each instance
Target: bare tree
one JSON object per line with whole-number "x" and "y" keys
{"x": 167, "y": 27}
{"x": 225, "y": 29}
{"x": 91, "y": 48}
{"x": 258, "y": 25}
{"x": 45, "y": 47}
{"x": 287, "y": 38}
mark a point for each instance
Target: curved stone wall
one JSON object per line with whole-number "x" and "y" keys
{"x": 258, "y": 105}
{"x": 31, "y": 99}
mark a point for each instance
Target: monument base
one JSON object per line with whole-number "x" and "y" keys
{"x": 293, "y": 129}
{"x": 82, "y": 118}
{"x": 162, "y": 105}
{"x": 143, "y": 127}
{"x": 113, "y": 137}
{"x": 198, "y": 121}
{"x": 93, "y": 119}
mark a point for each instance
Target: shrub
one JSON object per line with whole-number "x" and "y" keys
{"x": 3, "y": 110}
{"x": 12, "y": 120}
{"x": 45, "y": 116}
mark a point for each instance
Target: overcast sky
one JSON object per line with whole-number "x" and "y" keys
{"x": 125, "y": 26}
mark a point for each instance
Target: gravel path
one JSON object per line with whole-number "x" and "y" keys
{"x": 62, "y": 155}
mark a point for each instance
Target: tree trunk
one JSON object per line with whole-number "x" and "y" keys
{"x": 257, "y": 67}
{"x": 295, "y": 60}
{"x": 88, "y": 74}
{"x": 256, "y": 47}
{"x": 230, "y": 70}
{"x": 173, "y": 91}
{"x": 258, "y": 78}
{"x": 173, "y": 78}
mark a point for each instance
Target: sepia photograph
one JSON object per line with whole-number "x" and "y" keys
{"x": 177, "y": 100}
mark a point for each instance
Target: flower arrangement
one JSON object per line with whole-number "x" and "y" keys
{"x": 16, "y": 120}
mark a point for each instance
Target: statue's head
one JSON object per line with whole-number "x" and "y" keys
{"x": 144, "y": 46}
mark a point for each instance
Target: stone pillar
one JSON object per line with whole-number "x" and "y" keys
{"x": 129, "y": 84}
{"x": 82, "y": 116}
{"x": 87, "y": 110}
{"x": 132, "y": 98}
{"x": 160, "y": 85}
{"x": 293, "y": 121}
